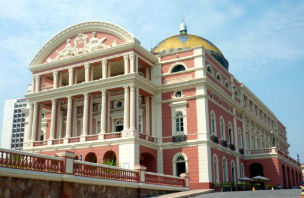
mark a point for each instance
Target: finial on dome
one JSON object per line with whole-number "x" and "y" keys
{"x": 183, "y": 27}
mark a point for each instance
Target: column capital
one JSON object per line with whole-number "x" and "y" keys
{"x": 103, "y": 91}
{"x": 131, "y": 55}
{"x": 126, "y": 56}
{"x": 104, "y": 61}
{"x": 55, "y": 72}
{"x": 69, "y": 98}
{"x": 53, "y": 100}
{"x": 71, "y": 69}
{"x": 86, "y": 65}
{"x": 132, "y": 86}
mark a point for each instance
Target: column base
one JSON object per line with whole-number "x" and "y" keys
{"x": 101, "y": 136}
{"x": 82, "y": 138}
{"x": 50, "y": 142}
{"x": 130, "y": 133}
{"x": 66, "y": 140}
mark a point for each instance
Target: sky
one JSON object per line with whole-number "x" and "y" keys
{"x": 262, "y": 40}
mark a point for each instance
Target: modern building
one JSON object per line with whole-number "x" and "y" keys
{"x": 13, "y": 123}
{"x": 97, "y": 92}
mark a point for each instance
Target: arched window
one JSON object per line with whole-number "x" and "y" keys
{"x": 215, "y": 170}
{"x": 225, "y": 170}
{"x": 118, "y": 125}
{"x": 179, "y": 164}
{"x": 209, "y": 69}
{"x": 178, "y": 68}
{"x": 227, "y": 84}
{"x": 230, "y": 133}
{"x": 222, "y": 128}
{"x": 240, "y": 138}
{"x": 179, "y": 119}
{"x": 213, "y": 123}
{"x": 218, "y": 77}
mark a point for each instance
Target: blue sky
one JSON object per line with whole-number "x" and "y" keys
{"x": 262, "y": 40}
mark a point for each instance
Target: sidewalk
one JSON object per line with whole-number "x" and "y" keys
{"x": 184, "y": 194}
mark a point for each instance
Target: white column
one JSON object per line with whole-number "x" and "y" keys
{"x": 126, "y": 64}
{"x": 137, "y": 107}
{"x": 87, "y": 72}
{"x": 136, "y": 64}
{"x": 148, "y": 73}
{"x": 71, "y": 75}
{"x": 37, "y": 83}
{"x": 30, "y": 121}
{"x": 104, "y": 68}
{"x": 55, "y": 79}
{"x": 34, "y": 125}
{"x": 33, "y": 84}
{"x": 126, "y": 108}
{"x": 103, "y": 111}
{"x": 53, "y": 119}
{"x": 85, "y": 115}
{"x": 69, "y": 118}
{"x": 132, "y": 107}
{"x": 147, "y": 98}
{"x": 131, "y": 57}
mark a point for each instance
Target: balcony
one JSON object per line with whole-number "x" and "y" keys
{"x": 214, "y": 139}
{"x": 179, "y": 138}
{"x": 232, "y": 147}
{"x": 272, "y": 150}
{"x": 224, "y": 143}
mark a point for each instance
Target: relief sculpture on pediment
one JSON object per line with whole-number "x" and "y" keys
{"x": 82, "y": 46}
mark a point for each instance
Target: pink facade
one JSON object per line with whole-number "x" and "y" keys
{"x": 173, "y": 112}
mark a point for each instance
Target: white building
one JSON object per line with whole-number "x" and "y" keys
{"x": 13, "y": 124}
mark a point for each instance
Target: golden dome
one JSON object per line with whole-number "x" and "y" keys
{"x": 188, "y": 41}
{"x": 175, "y": 43}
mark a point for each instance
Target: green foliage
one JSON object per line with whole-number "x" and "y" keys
{"x": 110, "y": 162}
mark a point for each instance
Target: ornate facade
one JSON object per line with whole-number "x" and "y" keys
{"x": 97, "y": 92}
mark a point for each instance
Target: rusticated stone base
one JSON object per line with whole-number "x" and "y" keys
{"x": 32, "y": 188}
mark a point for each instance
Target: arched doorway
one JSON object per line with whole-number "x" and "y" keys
{"x": 284, "y": 176}
{"x": 148, "y": 160}
{"x": 256, "y": 169}
{"x": 179, "y": 164}
{"x": 91, "y": 157}
{"x": 109, "y": 158}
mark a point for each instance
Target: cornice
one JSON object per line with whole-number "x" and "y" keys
{"x": 93, "y": 86}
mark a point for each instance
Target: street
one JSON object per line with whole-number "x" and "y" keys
{"x": 255, "y": 194}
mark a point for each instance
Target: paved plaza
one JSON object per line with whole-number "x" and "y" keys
{"x": 255, "y": 194}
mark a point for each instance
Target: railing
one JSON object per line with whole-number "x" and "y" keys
{"x": 60, "y": 141}
{"x": 260, "y": 151}
{"x": 65, "y": 164}
{"x": 91, "y": 138}
{"x": 147, "y": 137}
{"x": 74, "y": 139}
{"x": 88, "y": 169}
{"x": 40, "y": 143}
{"x": 28, "y": 161}
{"x": 156, "y": 178}
{"x": 112, "y": 135}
